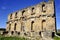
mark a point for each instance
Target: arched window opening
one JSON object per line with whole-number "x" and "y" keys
{"x": 43, "y": 20}
{"x": 16, "y": 15}
{"x": 40, "y": 33}
{"x": 32, "y": 25}
{"x": 43, "y": 8}
{"x": 15, "y": 26}
{"x": 32, "y": 9}
{"x": 9, "y": 27}
{"x": 12, "y": 32}
{"x": 10, "y": 16}
{"x": 18, "y": 33}
{"x": 53, "y": 34}
{"x": 25, "y": 34}
{"x": 43, "y": 24}
{"x": 23, "y": 12}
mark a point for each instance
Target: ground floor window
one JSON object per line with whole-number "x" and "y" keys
{"x": 32, "y": 25}
{"x": 15, "y": 26}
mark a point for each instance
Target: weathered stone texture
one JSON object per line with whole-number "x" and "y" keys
{"x": 39, "y": 18}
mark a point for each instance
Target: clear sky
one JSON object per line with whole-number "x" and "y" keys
{"x": 9, "y": 6}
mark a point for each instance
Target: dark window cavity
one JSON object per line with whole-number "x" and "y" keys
{"x": 53, "y": 34}
{"x": 18, "y": 33}
{"x": 23, "y": 12}
{"x": 10, "y": 16}
{"x": 43, "y": 8}
{"x": 16, "y": 15}
{"x": 32, "y": 25}
{"x": 32, "y": 9}
{"x": 43, "y": 23}
{"x": 40, "y": 33}
{"x": 12, "y": 32}
{"x": 15, "y": 26}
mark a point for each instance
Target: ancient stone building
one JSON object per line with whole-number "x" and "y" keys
{"x": 36, "y": 20}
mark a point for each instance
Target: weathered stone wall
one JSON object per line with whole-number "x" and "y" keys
{"x": 38, "y": 18}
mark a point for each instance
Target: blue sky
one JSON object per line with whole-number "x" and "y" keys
{"x": 9, "y": 6}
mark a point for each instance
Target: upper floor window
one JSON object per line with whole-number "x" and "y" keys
{"x": 32, "y": 9}
{"x": 10, "y": 16}
{"x": 43, "y": 8}
{"x": 23, "y": 12}
{"x": 16, "y": 15}
{"x": 23, "y": 18}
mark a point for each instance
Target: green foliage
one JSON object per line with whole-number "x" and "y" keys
{"x": 12, "y": 38}
{"x": 56, "y": 38}
{"x": 20, "y": 38}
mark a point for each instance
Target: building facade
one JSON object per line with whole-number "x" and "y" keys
{"x": 33, "y": 20}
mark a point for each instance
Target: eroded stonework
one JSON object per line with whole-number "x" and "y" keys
{"x": 34, "y": 21}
